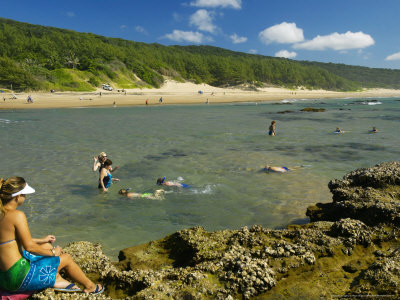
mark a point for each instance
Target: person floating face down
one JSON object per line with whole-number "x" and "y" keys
{"x": 157, "y": 195}
{"x": 162, "y": 181}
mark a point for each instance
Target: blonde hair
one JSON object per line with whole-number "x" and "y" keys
{"x": 7, "y": 188}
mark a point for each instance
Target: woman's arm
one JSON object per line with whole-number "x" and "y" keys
{"x": 24, "y": 237}
{"x": 96, "y": 163}
{"x": 46, "y": 239}
{"x": 112, "y": 170}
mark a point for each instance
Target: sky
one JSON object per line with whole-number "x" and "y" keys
{"x": 353, "y": 32}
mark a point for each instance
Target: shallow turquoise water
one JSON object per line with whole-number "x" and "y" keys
{"x": 217, "y": 149}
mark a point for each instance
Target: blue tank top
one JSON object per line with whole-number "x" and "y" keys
{"x": 106, "y": 181}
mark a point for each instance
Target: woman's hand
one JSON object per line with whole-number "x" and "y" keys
{"x": 95, "y": 158}
{"x": 115, "y": 179}
{"x": 105, "y": 190}
{"x": 49, "y": 239}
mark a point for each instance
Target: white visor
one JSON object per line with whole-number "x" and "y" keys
{"x": 26, "y": 190}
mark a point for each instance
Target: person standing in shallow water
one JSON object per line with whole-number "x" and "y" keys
{"x": 272, "y": 129}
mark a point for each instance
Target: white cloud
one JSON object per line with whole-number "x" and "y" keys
{"x": 187, "y": 36}
{"x": 203, "y": 20}
{"x": 236, "y": 4}
{"x": 395, "y": 56}
{"x": 70, "y": 14}
{"x": 338, "y": 41}
{"x": 123, "y": 26}
{"x": 285, "y": 54}
{"x": 253, "y": 51}
{"x": 284, "y": 33}
{"x": 238, "y": 39}
{"x": 140, "y": 29}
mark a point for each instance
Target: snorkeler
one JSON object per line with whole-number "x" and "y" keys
{"x": 156, "y": 196}
{"x": 268, "y": 168}
{"x": 161, "y": 181}
{"x": 338, "y": 130}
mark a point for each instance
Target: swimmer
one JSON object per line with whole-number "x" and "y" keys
{"x": 338, "y": 130}
{"x": 161, "y": 181}
{"x": 374, "y": 130}
{"x": 268, "y": 168}
{"x": 156, "y": 196}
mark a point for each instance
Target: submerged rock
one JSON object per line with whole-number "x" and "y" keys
{"x": 311, "y": 109}
{"x": 351, "y": 248}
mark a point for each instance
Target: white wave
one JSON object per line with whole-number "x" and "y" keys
{"x": 374, "y": 103}
{"x": 208, "y": 189}
{"x": 5, "y": 121}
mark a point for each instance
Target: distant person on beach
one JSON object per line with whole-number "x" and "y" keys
{"x": 30, "y": 99}
{"x": 147, "y": 101}
{"x": 272, "y": 129}
{"x": 156, "y": 196}
{"x": 106, "y": 176}
{"x": 160, "y": 100}
{"x": 36, "y": 267}
{"x": 268, "y": 168}
{"x": 161, "y": 181}
{"x": 338, "y": 130}
{"x": 114, "y": 104}
{"x": 99, "y": 162}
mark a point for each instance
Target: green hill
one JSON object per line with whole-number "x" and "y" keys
{"x": 34, "y": 57}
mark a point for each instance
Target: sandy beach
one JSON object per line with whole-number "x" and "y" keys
{"x": 174, "y": 93}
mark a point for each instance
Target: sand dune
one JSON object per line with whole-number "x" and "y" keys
{"x": 175, "y": 93}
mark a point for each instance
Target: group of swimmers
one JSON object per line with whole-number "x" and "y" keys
{"x": 338, "y": 130}
{"x": 104, "y": 165}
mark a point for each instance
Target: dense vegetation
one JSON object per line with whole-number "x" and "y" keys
{"x": 38, "y": 57}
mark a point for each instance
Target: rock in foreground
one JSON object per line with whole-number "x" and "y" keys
{"x": 344, "y": 256}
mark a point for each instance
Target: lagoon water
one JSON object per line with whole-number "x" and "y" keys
{"x": 218, "y": 149}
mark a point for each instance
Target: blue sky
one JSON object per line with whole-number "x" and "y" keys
{"x": 355, "y": 32}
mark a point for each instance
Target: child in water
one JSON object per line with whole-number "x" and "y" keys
{"x": 156, "y": 196}
{"x": 272, "y": 129}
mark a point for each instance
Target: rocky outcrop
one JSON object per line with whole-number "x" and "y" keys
{"x": 348, "y": 256}
{"x": 371, "y": 195}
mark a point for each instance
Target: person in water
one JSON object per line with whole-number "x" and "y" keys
{"x": 106, "y": 176}
{"x": 338, "y": 130}
{"x": 161, "y": 181}
{"x": 36, "y": 267}
{"x": 374, "y": 130}
{"x": 156, "y": 196}
{"x": 268, "y": 168}
{"x": 99, "y": 162}
{"x": 272, "y": 129}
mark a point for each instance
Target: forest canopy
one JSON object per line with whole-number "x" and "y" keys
{"x": 34, "y": 57}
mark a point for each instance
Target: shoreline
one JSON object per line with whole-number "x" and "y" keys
{"x": 175, "y": 93}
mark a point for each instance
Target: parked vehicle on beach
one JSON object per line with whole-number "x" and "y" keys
{"x": 107, "y": 87}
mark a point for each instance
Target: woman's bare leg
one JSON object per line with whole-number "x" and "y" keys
{"x": 75, "y": 272}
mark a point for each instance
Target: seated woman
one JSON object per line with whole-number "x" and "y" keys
{"x": 106, "y": 176}
{"x": 156, "y": 196}
{"x": 161, "y": 181}
{"x": 38, "y": 266}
